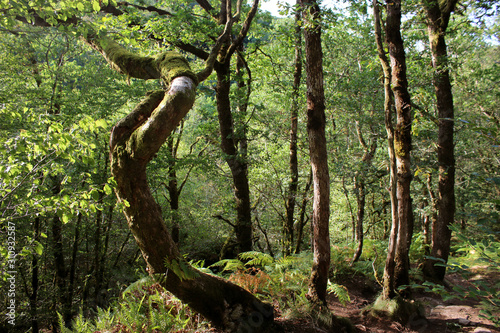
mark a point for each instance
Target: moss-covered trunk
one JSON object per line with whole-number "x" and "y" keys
{"x": 396, "y": 271}
{"x": 134, "y": 142}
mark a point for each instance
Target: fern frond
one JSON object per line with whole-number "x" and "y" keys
{"x": 137, "y": 285}
{"x": 230, "y": 265}
{"x": 256, "y": 258}
{"x": 340, "y": 291}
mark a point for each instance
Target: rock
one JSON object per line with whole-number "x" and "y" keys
{"x": 481, "y": 330}
{"x": 464, "y": 321}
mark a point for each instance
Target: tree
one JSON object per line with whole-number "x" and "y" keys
{"x": 360, "y": 187}
{"x": 134, "y": 142}
{"x": 316, "y": 122}
{"x": 294, "y": 169}
{"x": 233, "y": 140}
{"x": 397, "y": 263}
{"x": 438, "y": 16}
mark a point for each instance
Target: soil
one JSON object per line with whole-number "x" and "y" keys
{"x": 441, "y": 316}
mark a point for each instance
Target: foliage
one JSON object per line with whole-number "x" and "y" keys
{"x": 143, "y": 307}
{"x": 477, "y": 260}
{"x": 284, "y": 280}
{"x": 59, "y": 100}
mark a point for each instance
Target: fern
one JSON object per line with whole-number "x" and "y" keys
{"x": 229, "y": 265}
{"x": 137, "y": 285}
{"x": 256, "y": 258}
{"x": 63, "y": 328}
{"x": 182, "y": 269}
{"x": 339, "y": 291}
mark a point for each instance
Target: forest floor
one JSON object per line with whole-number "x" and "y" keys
{"x": 441, "y": 316}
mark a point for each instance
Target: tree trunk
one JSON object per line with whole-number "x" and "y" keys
{"x": 397, "y": 263}
{"x": 294, "y": 169}
{"x": 402, "y": 142}
{"x": 34, "y": 280}
{"x": 72, "y": 270}
{"x": 173, "y": 192}
{"x": 388, "y": 278}
{"x": 302, "y": 214}
{"x": 316, "y": 122}
{"x": 134, "y": 142}
{"x": 59, "y": 263}
{"x": 438, "y": 15}
{"x": 359, "y": 180}
{"x": 236, "y": 160}
{"x": 361, "y": 199}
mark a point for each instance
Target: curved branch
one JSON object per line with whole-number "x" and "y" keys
{"x": 243, "y": 31}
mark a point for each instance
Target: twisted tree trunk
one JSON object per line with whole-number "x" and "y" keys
{"x": 134, "y": 141}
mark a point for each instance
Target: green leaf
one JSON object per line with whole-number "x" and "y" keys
{"x": 80, "y": 6}
{"x": 94, "y": 194}
{"x": 101, "y": 123}
{"x": 107, "y": 189}
{"x": 38, "y": 248}
{"x": 65, "y": 217}
{"x": 95, "y": 6}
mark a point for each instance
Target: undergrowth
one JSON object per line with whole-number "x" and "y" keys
{"x": 144, "y": 307}
{"x": 282, "y": 282}
{"x": 478, "y": 262}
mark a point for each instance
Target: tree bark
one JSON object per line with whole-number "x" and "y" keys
{"x": 59, "y": 262}
{"x": 302, "y": 214}
{"x": 173, "y": 192}
{"x": 294, "y": 169}
{"x": 34, "y": 280}
{"x": 438, "y": 15}
{"x": 360, "y": 180}
{"x": 226, "y": 305}
{"x": 397, "y": 263}
{"x": 235, "y": 158}
{"x": 316, "y": 122}
{"x": 388, "y": 278}
{"x": 402, "y": 142}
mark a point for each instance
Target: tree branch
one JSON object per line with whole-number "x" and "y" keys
{"x": 224, "y": 219}
{"x": 243, "y": 31}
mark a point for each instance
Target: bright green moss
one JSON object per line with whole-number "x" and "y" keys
{"x": 172, "y": 65}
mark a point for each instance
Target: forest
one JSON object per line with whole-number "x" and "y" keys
{"x": 210, "y": 166}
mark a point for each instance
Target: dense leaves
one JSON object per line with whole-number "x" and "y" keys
{"x": 59, "y": 99}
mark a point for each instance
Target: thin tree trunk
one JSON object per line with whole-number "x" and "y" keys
{"x": 349, "y": 206}
{"x": 316, "y": 122}
{"x": 388, "y": 278}
{"x": 359, "y": 180}
{"x": 294, "y": 169}
{"x": 430, "y": 218}
{"x": 100, "y": 277}
{"x": 438, "y": 15}
{"x": 34, "y": 280}
{"x": 74, "y": 253}
{"x": 59, "y": 262}
{"x": 173, "y": 192}
{"x": 235, "y": 159}
{"x": 302, "y": 214}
